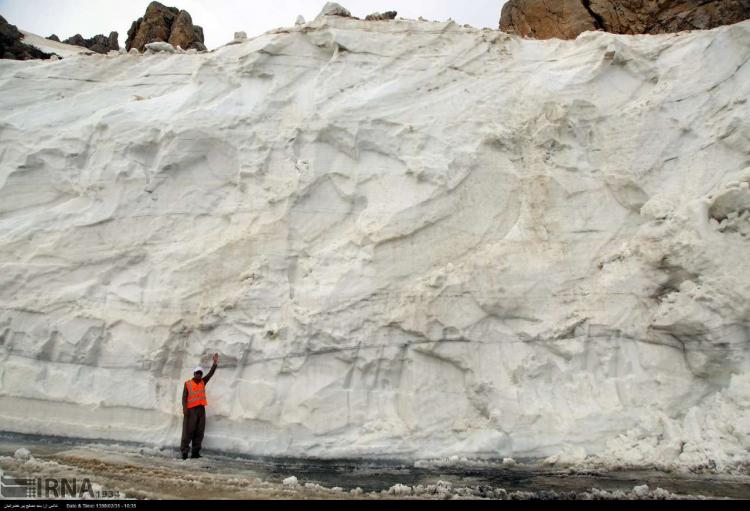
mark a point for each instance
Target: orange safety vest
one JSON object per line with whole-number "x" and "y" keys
{"x": 196, "y": 394}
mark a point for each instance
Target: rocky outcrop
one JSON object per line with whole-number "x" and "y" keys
{"x": 183, "y": 31}
{"x": 54, "y": 37}
{"x": 113, "y": 41}
{"x": 165, "y": 24}
{"x": 199, "y": 38}
{"x": 566, "y": 19}
{"x": 11, "y": 46}
{"x": 99, "y": 43}
{"x": 656, "y": 17}
{"x": 381, "y": 16}
{"x": 334, "y": 9}
{"x": 539, "y": 19}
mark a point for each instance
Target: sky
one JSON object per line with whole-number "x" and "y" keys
{"x": 220, "y": 19}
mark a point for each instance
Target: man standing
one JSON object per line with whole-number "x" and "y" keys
{"x": 194, "y": 410}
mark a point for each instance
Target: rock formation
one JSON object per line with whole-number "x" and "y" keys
{"x": 381, "y": 16}
{"x": 334, "y": 9}
{"x": 566, "y": 19}
{"x": 199, "y": 39}
{"x": 54, "y": 37}
{"x": 11, "y": 46}
{"x": 99, "y": 43}
{"x": 165, "y": 24}
{"x": 183, "y": 31}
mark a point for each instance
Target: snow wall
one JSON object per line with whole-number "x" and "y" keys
{"x": 405, "y": 239}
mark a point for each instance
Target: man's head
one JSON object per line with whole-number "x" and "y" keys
{"x": 198, "y": 374}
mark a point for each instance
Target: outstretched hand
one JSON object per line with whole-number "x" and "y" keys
{"x": 216, "y": 358}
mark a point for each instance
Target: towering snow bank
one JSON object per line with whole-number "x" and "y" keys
{"x": 405, "y": 239}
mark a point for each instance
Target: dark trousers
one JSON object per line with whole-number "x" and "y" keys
{"x": 193, "y": 426}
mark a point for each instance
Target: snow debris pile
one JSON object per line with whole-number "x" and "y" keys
{"x": 290, "y": 481}
{"x": 22, "y": 454}
{"x": 406, "y": 239}
{"x": 443, "y": 490}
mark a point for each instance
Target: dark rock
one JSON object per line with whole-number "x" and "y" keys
{"x": 166, "y": 24}
{"x": 11, "y": 46}
{"x": 113, "y": 41}
{"x": 131, "y": 33}
{"x": 99, "y": 43}
{"x": 53, "y": 37}
{"x": 183, "y": 31}
{"x": 538, "y": 19}
{"x": 154, "y": 26}
{"x": 76, "y": 40}
{"x": 384, "y": 16}
{"x": 199, "y": 34}
{"x": 666, "y": 16}
{"x": 566, "y": 19}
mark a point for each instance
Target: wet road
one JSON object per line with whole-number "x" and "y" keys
{"x": 152, "y": 473}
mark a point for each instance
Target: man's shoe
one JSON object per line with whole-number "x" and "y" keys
{"x": 184, "y": 456}
{"x": 195, "y": 456}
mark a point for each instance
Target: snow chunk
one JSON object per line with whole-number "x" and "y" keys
{"x": 300, "y": 20}
{"x": 290, "y": 481}
{"x": 161, "y": 47}
{"x": 658, "y": 208}
{"x": 400, "y": 489}
{"x": 641, "y": 491}
{"x": 22, "y": 454}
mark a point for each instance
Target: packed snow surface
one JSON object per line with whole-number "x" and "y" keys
{"x": 405, "y": 239}
{"x": 53, "y": 47}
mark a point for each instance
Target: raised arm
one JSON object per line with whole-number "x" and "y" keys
{"x": 213, "y": 369}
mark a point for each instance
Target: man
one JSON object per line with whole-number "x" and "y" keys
{"x": 194, "y": 410}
